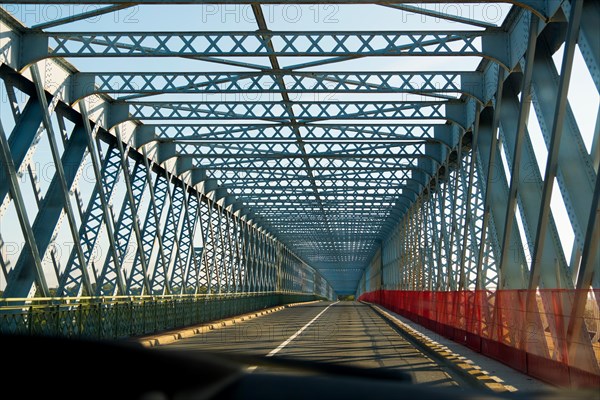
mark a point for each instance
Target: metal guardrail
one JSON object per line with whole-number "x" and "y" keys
{"x": 126, "y": 316}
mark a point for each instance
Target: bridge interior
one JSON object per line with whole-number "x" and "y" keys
{"x": 168, "y": 163}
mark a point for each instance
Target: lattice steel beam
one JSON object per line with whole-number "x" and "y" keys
{"x": 490, "y": 44}
{"x": 278, "y": 112}
{"x": 87, "y": 83}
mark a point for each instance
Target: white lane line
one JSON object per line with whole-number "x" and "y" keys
{"x": 295, "y": 335}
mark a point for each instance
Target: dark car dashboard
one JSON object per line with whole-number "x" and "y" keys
{"x": 55, "y": 368}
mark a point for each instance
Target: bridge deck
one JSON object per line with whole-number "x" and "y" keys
{"x": 346, "y": 333}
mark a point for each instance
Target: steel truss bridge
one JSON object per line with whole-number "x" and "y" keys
{"x": 288, "y": 165}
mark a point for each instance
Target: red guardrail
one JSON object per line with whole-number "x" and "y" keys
{"x": 500, "y": 324}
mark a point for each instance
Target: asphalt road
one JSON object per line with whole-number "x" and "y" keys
{"x": 343, "y": 333}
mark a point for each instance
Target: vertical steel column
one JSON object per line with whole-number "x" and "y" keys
{"x": 91, "y": 226}
{"x": 271, "y": 264}
{"x": 267, "y": 260}
{"x": 427, "y": 251}
{"x": 190, "y": 265}
{"x": 495, "y": 189}
{"x": 401, "y": 254}
{"x": 260, "y": 262}
{"x": 283, "y": 275}
{"x": 243, "y": 245}
{"x": 555, "y": 141}
{"x": 455, "y": 235}
{"x": 229, "y": 250}
{"x": 490, "y": 270}
{"x": 444, "y": 247}
{"x": 412, "y": 250}
{"x": 275, "y": 266}
{"x": 214, "y": 245}
{"x": 172, "y": 272}
{"x": 139, "y": 277}
{"x": 60, "y": 175}
{"x": 519, "y": 141}
{"x": 243, "y": 253}
{"x": 468, "y": 198}
{"x": 105, "y": 197}
{"x": 423, "y": 244}
{"x": 407, "y": 248}
{"x": 128, "y": 223}
{"x": 151, "y": 231}
{"x": 206, "y": 261}
{"x": 237, "y": 246}
{"x": 576, "y": 173}
{"x": 134, "y": 193}
{"x": 221, "y": 250}
{"x": 253, "y": 266}
{"x": 437, "y": 249}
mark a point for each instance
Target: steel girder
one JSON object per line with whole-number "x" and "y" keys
{"x": 301, "y": 111}
{"x": 334, "y": 181}
{"x": 282, "y": 132}
{"x": 470, "y": 83}
{"x": 490, "y": 43}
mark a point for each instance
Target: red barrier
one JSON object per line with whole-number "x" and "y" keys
{"x": 526, "y": 330}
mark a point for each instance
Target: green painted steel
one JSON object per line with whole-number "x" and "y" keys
{"x": 127, "y": 316}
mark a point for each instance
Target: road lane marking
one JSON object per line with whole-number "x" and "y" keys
{"x": 295, "y": 335}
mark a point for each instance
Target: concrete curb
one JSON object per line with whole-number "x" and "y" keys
{"x": 465, "y": 367}
{"x": 168, "y": 337}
